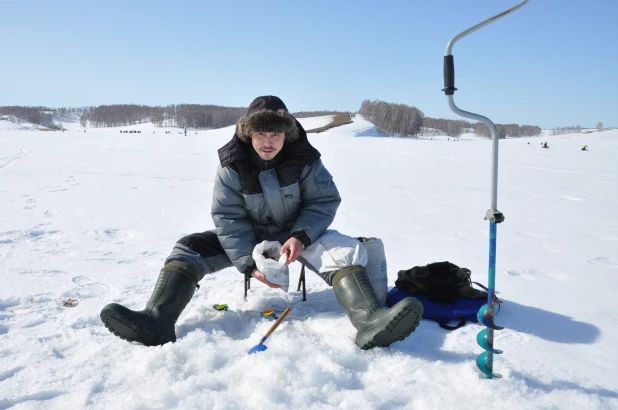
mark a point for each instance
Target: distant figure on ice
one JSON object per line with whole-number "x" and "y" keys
{"x": 270, "y": 185}
{"x": 585, "y": 148}
{"x": 545, "y": 145}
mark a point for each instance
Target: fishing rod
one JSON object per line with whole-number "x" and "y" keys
{"x": 485, "y": 338}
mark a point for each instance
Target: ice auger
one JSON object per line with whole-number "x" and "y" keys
{"x": 485, "y": 338}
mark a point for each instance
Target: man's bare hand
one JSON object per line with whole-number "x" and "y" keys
{"x": 262, "y": 278}
{"x": 293, "y": 247}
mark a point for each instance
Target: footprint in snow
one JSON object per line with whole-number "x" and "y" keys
{"x": 510, "y": 337}
{"x": 568, "y": 197}
{"x": 602, "y": 261}
{"x": 87, "y": 288}
{"x": 533, "y": 274}
{"x": 44, "y": 273}
{"x": 525, "y": 273}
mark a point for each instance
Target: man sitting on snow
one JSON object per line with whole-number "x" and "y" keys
{"x": 270, "y": 185}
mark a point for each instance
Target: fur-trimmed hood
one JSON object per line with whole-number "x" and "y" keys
{"x": 299, "y": 151}
{"x": 267, "y": 114}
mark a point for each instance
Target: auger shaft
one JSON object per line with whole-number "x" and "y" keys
{"x": 491, "y": 291}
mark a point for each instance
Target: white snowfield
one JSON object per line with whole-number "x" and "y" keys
{"x": 12, "y": 126}
{"x": 91, "y": 216}
{"x": 316, "y": 122}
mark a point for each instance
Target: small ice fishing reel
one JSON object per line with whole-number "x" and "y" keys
{"x": 221, "y": 307}
{"x": 269, "y": 314}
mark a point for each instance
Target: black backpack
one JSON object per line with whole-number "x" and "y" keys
{"x": 444, "y": 289}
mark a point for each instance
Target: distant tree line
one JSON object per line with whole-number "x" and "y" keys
{"x": 507, "y": 130}
{"x": 34, "y": 115}
{"x": 437, "y": 126}
{"x": 70, "y": 111}
{"x": 398, "y": 119}
{"x": 404, "y": 120}
{"x": 69, "y": 114}
{"x": 180, "y": 115}
{"x": 565, "y": 130}
{"x": 207, "y": 116}
{"x": 115, "y": 115}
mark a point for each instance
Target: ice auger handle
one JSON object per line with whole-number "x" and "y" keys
{"x": 449, "y": 76}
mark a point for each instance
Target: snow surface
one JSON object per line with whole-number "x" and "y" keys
{"x": 311, "y": 123}
{"x": 10, "y": 125}
{"x": 92, "y": 216}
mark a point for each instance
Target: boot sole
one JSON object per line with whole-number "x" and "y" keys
{"x": 125, "y": 329}
{"x": 400, "y": 327}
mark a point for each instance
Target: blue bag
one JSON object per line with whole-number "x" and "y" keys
{"x": 444, "y": 289}
{"x": 461, "y": 309}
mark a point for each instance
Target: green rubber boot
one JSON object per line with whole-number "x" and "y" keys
{"x": 376, "y": 326}
{"x": 154, "y": 325}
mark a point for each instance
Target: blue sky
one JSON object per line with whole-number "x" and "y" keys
{"x": 552, "y": 63}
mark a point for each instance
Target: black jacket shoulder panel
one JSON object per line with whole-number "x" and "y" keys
{"x": 233, "y": 151}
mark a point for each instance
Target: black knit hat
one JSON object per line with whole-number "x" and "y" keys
{"x": 267, "y": 114}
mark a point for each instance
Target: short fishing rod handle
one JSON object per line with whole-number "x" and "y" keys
{"x": 279, "y": 320}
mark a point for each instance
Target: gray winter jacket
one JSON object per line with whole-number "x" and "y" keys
{"x": 254, "y": 201}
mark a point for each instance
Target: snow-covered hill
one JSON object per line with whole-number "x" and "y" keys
{"x": 12, "y": 126}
